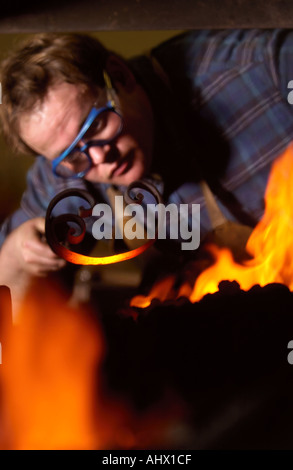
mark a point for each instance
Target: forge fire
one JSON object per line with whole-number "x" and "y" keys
{"x": 200, "y": 364}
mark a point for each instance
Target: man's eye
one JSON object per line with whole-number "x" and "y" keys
{"x": 96, "y": 127}
{"x": 73, "y": 157}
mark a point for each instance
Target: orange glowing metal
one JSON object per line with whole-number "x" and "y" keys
{"x": 73, "y": 238}
{"x": 270, "y": 245}
{"x": 76, "y": 258}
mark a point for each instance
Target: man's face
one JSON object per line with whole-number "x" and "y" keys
{"x": 53, "y": 125}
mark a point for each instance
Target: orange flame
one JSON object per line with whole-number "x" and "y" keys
{"x": 270, "y": 246}
{"x": 161, "y": 290}
{"x": 52, "y": 393}
{"x": 47, "y": 374}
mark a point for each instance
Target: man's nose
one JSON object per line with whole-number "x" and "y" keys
{"x": 99, "y": 154}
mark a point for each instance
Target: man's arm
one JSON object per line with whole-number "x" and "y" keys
{"x": 25, "y": 254}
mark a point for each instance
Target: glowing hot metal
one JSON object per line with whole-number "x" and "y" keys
{"x": 54, "y": 223}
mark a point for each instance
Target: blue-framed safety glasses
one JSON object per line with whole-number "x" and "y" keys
{"x": 101, "y": 127}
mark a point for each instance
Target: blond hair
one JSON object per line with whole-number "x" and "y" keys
{"x": 28, "y": 72}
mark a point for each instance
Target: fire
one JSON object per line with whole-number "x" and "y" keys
{"x": 51, "y": 383}
{"x": 161, "y": 290}
{"x": 269, "y": 246}
{"x": 54, "y": 395}
{"x": 47, "y": 375}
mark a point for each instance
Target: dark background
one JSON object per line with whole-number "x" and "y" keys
{"x": 110, "y": 15}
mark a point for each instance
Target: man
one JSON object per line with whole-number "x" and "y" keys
{"x": 207, "y": 105}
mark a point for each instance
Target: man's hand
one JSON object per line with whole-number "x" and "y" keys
{"x": 26, "y": 251}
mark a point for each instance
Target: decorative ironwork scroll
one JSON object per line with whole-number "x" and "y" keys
{"x": 73, "y": 236}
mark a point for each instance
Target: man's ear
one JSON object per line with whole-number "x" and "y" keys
{"x": 120, "y": 74}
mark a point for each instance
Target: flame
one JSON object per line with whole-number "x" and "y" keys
{"x": 269, "y": 246}
{"x": 161, "y": 289}
{"x": 51, "y": 390}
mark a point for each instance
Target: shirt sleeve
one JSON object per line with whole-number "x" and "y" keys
{"x": 42, "y": 186}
